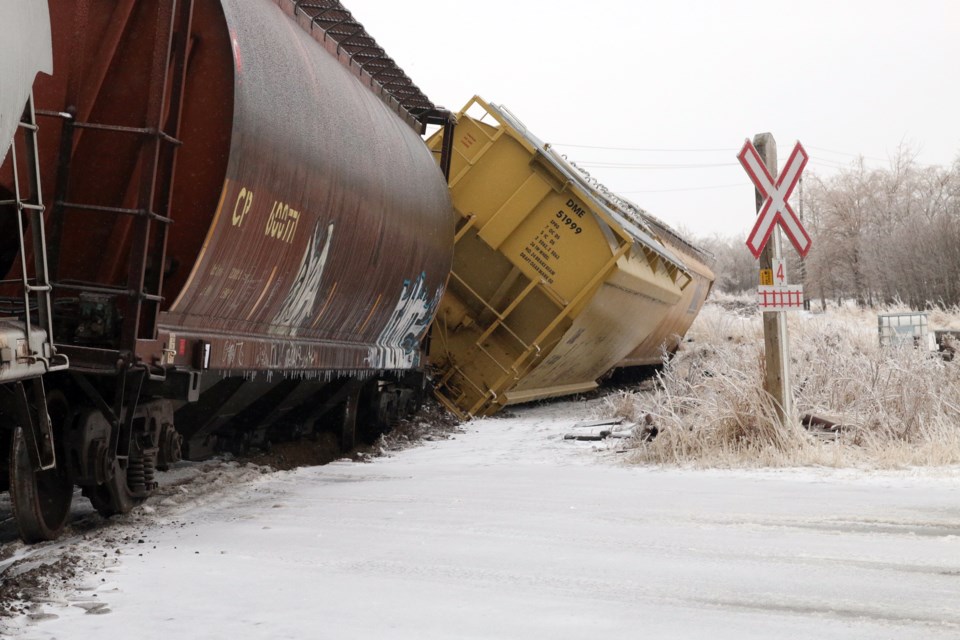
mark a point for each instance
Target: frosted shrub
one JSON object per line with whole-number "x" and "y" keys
{"x": 896, "y": 407}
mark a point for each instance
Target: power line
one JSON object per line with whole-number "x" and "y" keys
{"x": 622, "y": 165}
{"x": 600, "y": 165}
{"x": 851, "y": 155}
{"x": 839, "y": 163}
{"x": 653, "y": 150}
{"x": 716, "y": 186}
{"x": 835, "y": 164}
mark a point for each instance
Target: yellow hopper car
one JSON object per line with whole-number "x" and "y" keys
{"x": 554, "y": 282}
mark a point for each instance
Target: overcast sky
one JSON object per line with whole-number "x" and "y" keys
{"x": 684, "y": 82}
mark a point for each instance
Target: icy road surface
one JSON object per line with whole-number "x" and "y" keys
{"x": 508, "y": 531}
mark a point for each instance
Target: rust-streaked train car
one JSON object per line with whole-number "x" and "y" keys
{"x": 247, "y": 232}
{"x": 553, "y": 284}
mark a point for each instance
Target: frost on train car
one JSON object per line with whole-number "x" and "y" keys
{"x": 552, "y": 285}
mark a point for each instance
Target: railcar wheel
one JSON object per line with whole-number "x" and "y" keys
{"x": 113, "y": 497}
{"x": 40, "y": 499}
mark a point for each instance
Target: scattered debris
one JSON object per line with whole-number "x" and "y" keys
{"x": 820, "y": 426}
{"x": 948, "y": 342}
{"x": 741, "y": 306}
{"x": 650, "y": 430}
{"x": 31, "y": 579}
{"x": 598, "y": 423}
{"x": 626, "y": 431}
{"x": 630, "y": 430}
{"x": 432, "y": 422}
{"x": 587, "y": 437}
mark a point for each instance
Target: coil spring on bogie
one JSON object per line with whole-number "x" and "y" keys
{"x": 136, "y": 475}
{"x": 150, "y": 469}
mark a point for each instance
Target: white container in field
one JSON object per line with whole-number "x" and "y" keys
{"x": 910, "y": 329}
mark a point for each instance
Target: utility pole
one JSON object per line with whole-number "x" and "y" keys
{"x": 803, "y": 264}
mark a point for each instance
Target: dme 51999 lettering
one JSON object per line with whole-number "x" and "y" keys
{"x": 570, "y": 222}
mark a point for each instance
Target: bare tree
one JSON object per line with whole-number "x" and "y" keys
{"x": 733, "y": 264}
{"x": 882, "y": 236}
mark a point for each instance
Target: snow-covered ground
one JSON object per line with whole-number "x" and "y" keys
{"x": 509, "y": 531}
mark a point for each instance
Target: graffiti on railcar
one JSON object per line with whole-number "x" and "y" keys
{"x": 298, "y": 305}
{"x": 399, "y": 343}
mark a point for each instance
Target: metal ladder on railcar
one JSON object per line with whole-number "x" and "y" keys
{"x": 35, "y": 297}
{"x": 144, "y": 281}
{"x": 36, "y": 289}
{"x": 143, "y": 284}
{"x": 112, "y": 368}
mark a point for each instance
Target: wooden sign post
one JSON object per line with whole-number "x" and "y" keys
{"x": 775, "y": 338}
{"x": 759, "y": 159}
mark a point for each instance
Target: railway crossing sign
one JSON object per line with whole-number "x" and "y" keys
{"x": 776, "y": 205}
{"x": 774, "y": 295}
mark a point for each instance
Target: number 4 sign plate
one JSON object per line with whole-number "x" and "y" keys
{"x": 775, "y": 276}
{"x": 774, "y": 294}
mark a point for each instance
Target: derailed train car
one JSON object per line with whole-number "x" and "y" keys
{"x": 247, "y": 238}
{"x": 555, "y": 281}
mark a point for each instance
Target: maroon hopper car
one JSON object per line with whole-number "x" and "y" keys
{"x": 246, "y": 235}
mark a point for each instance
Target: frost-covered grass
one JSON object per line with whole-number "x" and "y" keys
{"x": 897, "y": 407}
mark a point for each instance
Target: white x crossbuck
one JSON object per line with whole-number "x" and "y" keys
{"x": 776, "y": 205}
